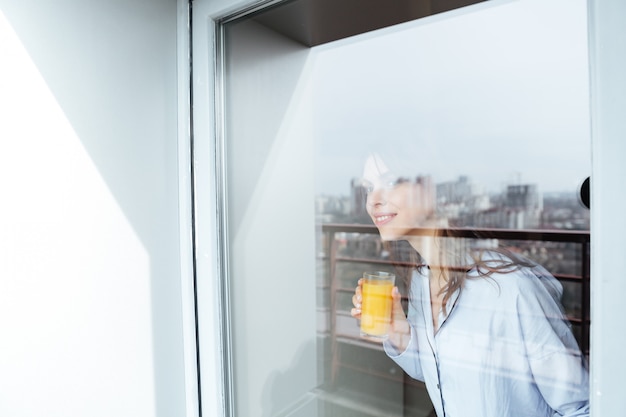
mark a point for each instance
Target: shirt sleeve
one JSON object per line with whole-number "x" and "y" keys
{"x": 409, "y": 359}
{"x": 557, "y": 365}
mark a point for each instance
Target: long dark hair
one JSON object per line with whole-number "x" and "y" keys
{"x": 456, "y": 257}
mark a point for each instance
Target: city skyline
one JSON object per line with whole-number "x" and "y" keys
{"x": 466, "y": 204}
{"x": 346, "y": 188}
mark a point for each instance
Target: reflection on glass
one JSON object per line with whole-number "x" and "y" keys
{"x": 484, "y": 126}
{"x": 485, "y": 146}
{"x": 478, "y": 317}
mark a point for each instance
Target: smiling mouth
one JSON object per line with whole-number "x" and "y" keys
{"x": 383, "y": 219}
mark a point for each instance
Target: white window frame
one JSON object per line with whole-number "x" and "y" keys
{"x": 202, "y": 256}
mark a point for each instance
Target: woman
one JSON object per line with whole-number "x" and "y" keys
{"x": 485, "y": 330}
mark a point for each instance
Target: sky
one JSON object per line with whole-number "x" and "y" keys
{"x": 497, "y": 91}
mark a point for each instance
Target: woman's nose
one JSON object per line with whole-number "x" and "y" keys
{"x": 376, "y": 197}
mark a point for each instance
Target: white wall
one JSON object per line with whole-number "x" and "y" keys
{"x": 90, "y": 294}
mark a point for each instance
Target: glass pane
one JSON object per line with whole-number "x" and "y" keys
{"x": 485, "y": 126}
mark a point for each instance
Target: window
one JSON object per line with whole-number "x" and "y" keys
{"x": 494, "y": 117}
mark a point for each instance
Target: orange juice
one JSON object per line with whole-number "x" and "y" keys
{"x": 376, "y": 304}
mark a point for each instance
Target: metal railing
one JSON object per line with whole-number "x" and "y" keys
{"x": 579, "y": 238}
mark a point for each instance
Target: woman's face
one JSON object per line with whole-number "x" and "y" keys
{"x": 395, "y": 204}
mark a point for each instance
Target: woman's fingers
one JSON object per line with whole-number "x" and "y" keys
{"x": 357, "y": 300}
{"x": 396, "y": 305}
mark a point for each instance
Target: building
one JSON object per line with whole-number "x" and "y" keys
{"x": 522, "y": 207}
{"x": 358, "y": 198}
{"x": 460, "y": 201}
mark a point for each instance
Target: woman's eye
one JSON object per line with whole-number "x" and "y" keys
{"x": 397, "y": 182}
{"x": 385, "y": 184}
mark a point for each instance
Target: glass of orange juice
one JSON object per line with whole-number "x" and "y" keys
{"x": 376, "y": 303}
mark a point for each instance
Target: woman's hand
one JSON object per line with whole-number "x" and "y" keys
{"x": 357, "y": 299}
{"x": 399, "y": 330}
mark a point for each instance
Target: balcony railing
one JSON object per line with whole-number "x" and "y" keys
{"x": 343, "y": 329}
